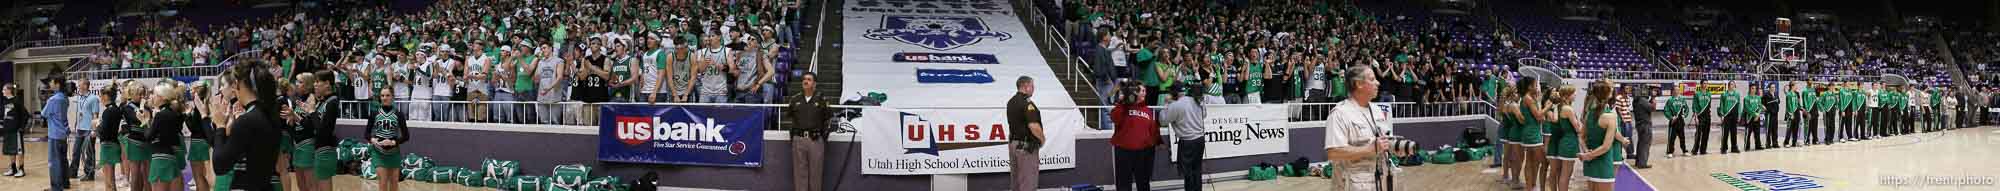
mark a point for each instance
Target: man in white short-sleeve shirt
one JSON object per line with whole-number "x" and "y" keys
{"x": 1354, "y": 132}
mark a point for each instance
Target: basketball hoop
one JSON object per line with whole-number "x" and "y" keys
{"x": 1785, "y": 48}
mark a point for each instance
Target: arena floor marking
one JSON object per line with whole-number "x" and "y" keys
{"x": 1631, "y": 180}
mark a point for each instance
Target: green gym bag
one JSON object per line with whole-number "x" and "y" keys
{"x": 607, "y": 183}
{"x": 470, "y": 178}
{"x": 526, "y": 183}
{"x": 500, "y": 168}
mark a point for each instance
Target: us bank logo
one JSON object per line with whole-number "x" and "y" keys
{"x": 685, "y": 130}
{"x": 934, "y": 32}
{"x": 925, "y": 136}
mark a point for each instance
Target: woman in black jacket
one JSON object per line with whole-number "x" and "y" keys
{"x": 249, "y": 154}
{"x": 109, "y": 122}
{"x": 323, "y": 117}
{"x": 198, "y": 124}
{"x": 163, "y": 136}
{"x": 15, "y": 125}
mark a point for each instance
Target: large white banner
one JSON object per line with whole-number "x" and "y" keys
{"x": 947, "y": 54}
{"x": 952, "y": 141}
{"x": 1243, "y": 130}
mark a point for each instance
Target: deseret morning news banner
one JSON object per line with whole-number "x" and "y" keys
{"x": 957, "y": 53}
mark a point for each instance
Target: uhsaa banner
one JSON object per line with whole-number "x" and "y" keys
{"x": 954, "y": 141}
{"x": 1243, "y": 130}
{"x": 691, "y": 135}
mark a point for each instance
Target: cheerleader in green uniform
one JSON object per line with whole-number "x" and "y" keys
{"x": 1532, "y": 110}
{"x": 1601, "y": 136}
{"x": 1529, "y": 132}
{"x": 198, "y": 124}
{"x": 137, "y": 155}
{"x": 300, "y": 138}
{"x": 322, "y": 117}
{"x": 1563, "y": 145}
{"x": 109, "y": 123}
{"x": 1509, "y": 130}
{"x": 163, "y": 137}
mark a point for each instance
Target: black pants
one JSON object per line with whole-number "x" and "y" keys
{"x": 1812, "y": 125}
{"x": 1852, "y": 122}
{"x": 1752, "y": 129}
{"x": 1643, "y": 131}
{"x": 1190, "y": 167}
{"x": 1771, "y": 123}
{"x": 1701, "y": 132}
{"x": 1829, "y": 124}
{"x": 1792, "y": 129}
{"x": 1877, "y": 124}
{"x": 1676, "y": 135}
{"x": 1134, "y": 169}
{"x": 1729, "y": 125}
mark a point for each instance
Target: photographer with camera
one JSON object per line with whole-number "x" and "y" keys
{"x": 1356, "y": 134}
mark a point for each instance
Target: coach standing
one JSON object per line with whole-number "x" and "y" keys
{"x": 1022, "y": 116}
{"x": 808, "y": 136}
{"x": 1186, "y": 114}
{"x": 57, "y": 118}
{"x": 1353, "y": 134}
{"x": 1642, "y": 117}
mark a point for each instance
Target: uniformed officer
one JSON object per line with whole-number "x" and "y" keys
{"x": 809, "y": 131}
{"x": 1023, "y": 150}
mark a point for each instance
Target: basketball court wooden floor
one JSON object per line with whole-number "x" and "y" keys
{"x": 1963, "y": 159}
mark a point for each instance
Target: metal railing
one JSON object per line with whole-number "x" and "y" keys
{"x": 57, "y": 42}
{"x": 586, "y": 114}
{"x": 158, "y": 72}
{"x": 508, "y": 112}
{"x": 162, "y": 72}
{"x": 1654, "y": 75}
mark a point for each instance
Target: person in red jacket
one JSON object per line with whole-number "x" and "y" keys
{"x": 1135, "y": 137}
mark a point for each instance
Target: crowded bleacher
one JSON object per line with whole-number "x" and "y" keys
{"x": 448, "y": 53}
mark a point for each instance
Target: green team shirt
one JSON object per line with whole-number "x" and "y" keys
{"x": 1826, "y": 101}
{"x": 1147, "y": 75}
{"x": 1170, "y": 69}
{"x": 1752, "y": 106}
{"x": 1492, "y": 87}
{"x": 1936, "y": 100}
{"x": 1256, "y": 82}
{"x": 1730, "y": 101}
{"x": 1701, "y": 100}
{"x": 1804, "y": 100}
{"x": 1339, "y": 83}
{"x": 1676, "y": 106}
{"x": 523, "y": 83}
{"x": 619, "y": 72}
{"x": 1854, "y": 101}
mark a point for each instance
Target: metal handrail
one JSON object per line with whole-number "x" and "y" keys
{"x": 1656, "y": 75}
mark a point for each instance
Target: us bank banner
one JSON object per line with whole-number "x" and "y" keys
{"x": 689, "y": 135}
{"x": 931, "y": 54}
{"x": 1243, "y": 130}
{"x": 953, "y": 141}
